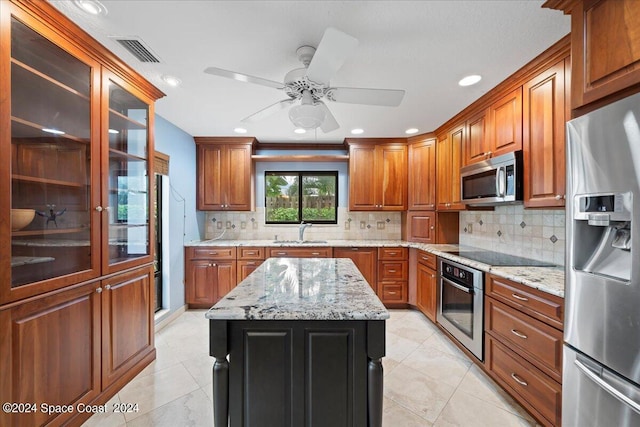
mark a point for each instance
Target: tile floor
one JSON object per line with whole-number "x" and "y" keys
{"x": 428, "y": 381}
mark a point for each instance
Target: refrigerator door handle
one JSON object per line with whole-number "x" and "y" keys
{"x": 608, "y": 387}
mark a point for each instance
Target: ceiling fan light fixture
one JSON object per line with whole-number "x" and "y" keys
{"x": 469, "y": 80}
{"x": 307, "y": 116}
{"x": 357, "y": 131}
{"x": 411, "y": 131}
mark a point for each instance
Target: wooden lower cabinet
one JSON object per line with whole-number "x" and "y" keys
{"x": 75, "y": 347}
{"x": 210, "y": 273}
{"x": 393, "y": 276}
{"x": 427, "y": 285}
{"x": 246, "y": 267}
{"x": 523, "y": 345}
{"x": 364, "y": 258}
{"x": 127, "y": 300}
{"x": 297, "y": 252}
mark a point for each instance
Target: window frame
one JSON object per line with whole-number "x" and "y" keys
{"x": 301, "y": 175}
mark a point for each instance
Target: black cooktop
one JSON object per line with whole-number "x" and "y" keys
{"x": 500, "y": 259}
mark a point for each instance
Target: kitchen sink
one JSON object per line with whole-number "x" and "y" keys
{"x": 304, "y": 242}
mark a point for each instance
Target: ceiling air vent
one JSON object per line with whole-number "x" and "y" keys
{"x": 138, "y": 49}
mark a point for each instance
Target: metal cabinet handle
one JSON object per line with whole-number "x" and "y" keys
{"x": 281, "y": 253}
{"x": 315, "y": 253}
{"x": 433, "y": 276}
{"x": 99, "y": 290}
{"x": 251, "y": 263}
{"x": 99, "y": 208}
{"x": 251, "y": 253}
{"x": 355, "y": 249}
{"x": 425, "y": 258}
{"x": 432, "y": 227}
{"x": 392, "y": 293}
{"x": 518, "y": 334}
{"x": 521, "y": 298}
{"x": 558, "y": 197}
{"x": 213, "y": 253}
{"x": 392, "y": 271}
{"x": 107, "y": 288}
{"x": 518, "y": 379}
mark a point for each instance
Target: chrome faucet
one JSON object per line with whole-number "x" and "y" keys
{"x": 303, "y": 226}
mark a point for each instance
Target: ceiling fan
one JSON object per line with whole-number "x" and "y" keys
{"x": 306, "y": 87}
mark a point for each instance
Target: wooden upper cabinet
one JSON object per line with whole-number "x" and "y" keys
{"x": 545, "y": 113}
{"x": 377, "y": 177}
{"x": 605, "y": 48}
{"x": 477, "y": 146}
{"x": 225, "y": 174}
{"x": 505, "y": 124}
{"x": 449, "y": 161}
{"x": 422, "y": 175}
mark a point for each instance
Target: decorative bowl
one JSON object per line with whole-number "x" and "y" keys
{"x": 20, "y": 218}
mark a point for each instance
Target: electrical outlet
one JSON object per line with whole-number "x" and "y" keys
{"x": 363, "y": 225}
{"x": 347, "y": 225}
{"x": 219, "y": 225}
{"x": 243, "y": 225}
{"x": 380, "y": 225}
{"x": 470, "y": 227}
{"x": 228, "y": 224}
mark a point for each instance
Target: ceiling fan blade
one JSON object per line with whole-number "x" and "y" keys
{"x": 243, "y": 77}
{"x": 266, "y": 112}
{"x": 329, "y": 124}
{"x": 334, "y": 48}
{"x": 354, "y": 95}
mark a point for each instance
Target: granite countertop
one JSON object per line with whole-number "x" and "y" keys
{"x": 301, "y": 289}
{"x": 546, "y": 279}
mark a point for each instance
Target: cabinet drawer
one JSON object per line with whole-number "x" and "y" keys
{"x": 427, "y": 259}
{"x": 393, "y": 270}
{"x": 299, "y": 252}
{"x": 251, "y": 252}
{"x": 212, "y": 252}
{"x": 538, "y": 342}
{"x": 532, "y": 388}
{"x": 393, "y": 292}
{"x": 392, "y": 253}
{"x": 543, "y": 306}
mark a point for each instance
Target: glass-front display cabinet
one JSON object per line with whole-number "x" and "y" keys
{"x": 76, "y": 141}
{"x": 53, "y": 167}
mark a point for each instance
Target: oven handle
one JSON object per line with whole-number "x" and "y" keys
{"x": 455, "y": 285}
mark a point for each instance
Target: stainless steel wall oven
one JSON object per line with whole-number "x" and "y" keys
{"x": 461, "y": 305}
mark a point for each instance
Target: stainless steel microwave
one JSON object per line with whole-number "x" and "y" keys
{"x": 494, "y": 181}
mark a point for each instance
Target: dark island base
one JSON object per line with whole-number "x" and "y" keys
{"x": 297, "y": 372}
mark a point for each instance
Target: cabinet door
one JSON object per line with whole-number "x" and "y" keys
{"x": 238, "y": 177}
{"x": 506, "y": 124}
{"x": 50, "y": 354}
{"x": 126, "y": 219}
{"x": 245, "y": 268}
{"x": 224, "y": 278}
{"x": 364, "y": 258}
{"x": 543, "y": 139}
{"x": 443, "y": 169}
{"x": 457, "y": 142}
{"x": 392, "y": 161}
{"x": 427, "y": 291}
{"x": 200, "y": 286}
{"x": 363, "y": 178}
{"x": 422, "y": 175}
{"x": 476, "y": 147}
{"x": 49, "y": 116}
{"x": 127, "y": 322}
{"x": 421, "y": 227}
{"x": 210, "y": 177}
{"x": 605, "y": 48}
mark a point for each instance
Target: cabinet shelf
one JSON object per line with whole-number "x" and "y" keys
{"x": 118, "y": 120}
{"x": 21, "y": 128}
{"x": 48, "y": 78}
{"x": 37, "y": 180}
{"x": 124, "y": 155}
{"x": 48, "y": 231}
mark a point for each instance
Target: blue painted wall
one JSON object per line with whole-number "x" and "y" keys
{"x": 185, "y": 223}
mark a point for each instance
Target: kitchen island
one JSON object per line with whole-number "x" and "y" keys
{"x": 298, "y": 342}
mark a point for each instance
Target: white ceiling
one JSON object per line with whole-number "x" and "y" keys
{"x": 423, "y": 47}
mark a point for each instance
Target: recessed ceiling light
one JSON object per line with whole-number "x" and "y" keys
{"x": 113, "y": 131}
{"x": 300, "y": 130}
{"x": 93, "y": 7}
{"x": 53, "y": 131}
{"x": 357, "y": 131}
{"x": 411, "y": 131}
{"x": 470, "y": 80}
{"x": 240, "y": 130}
{"x": 171, "y": 81}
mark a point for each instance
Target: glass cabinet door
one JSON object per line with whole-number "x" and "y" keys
{"x": 128, "y": 194}
{"x": 52, "y": 196}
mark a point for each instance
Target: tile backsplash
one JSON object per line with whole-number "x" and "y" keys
{"x": 351, "y": 226}
{"x": 530, "y": 233}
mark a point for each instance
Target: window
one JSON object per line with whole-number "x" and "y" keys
{"x": 293, "y": 197}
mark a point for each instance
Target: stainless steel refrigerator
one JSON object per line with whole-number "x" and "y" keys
{"x": 601, "y": 370}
